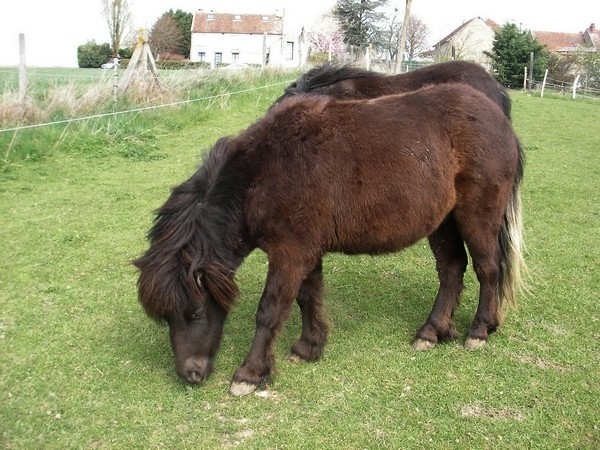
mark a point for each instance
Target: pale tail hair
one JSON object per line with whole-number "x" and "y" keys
{"x": 512, "y": 261}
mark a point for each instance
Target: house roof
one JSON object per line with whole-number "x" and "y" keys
{"x": 210, "y": 22}
{"x": 559, "y": 42}
{"x": 493, "y": 25}
{"x": 489, "y": 22}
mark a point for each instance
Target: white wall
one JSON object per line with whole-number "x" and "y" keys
{"x": 248, "y": 46}
{"x": 470, "y": 43}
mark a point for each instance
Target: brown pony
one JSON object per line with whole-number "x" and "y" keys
{"x": 319, "y": 175}
{"x": 347, "y": 82}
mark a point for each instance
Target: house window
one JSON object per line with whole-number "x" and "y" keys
{"x": 265, "y": 18}
{"x": 289, "y": 50}
{"x": 210, "y": 17}
{"x": 235, "y": 58}
{"x": 237, "y": 17}
{"x": 201, "y": 56}
{"x": 218, "y": 58}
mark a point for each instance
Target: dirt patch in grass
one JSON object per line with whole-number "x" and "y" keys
{"x": 540, "y": 363}
{"x": 479, "y": 411}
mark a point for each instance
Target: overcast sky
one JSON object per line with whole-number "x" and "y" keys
{"x": 54, "y": 28}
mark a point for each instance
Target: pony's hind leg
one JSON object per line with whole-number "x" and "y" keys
{"x": 481, "y": 236}
{"x": 448, "y": 248}
{"x": 309, "y": 347}
{"x": 486, "y": 318}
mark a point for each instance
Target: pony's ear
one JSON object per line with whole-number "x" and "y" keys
{"x": 218, "y": 280}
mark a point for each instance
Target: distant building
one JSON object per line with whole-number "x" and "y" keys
{"x": 222, "y": 39}
{"x": 476, "y": 36}
{"x": 468, "y": 42}
{"x": 588, "y": 40}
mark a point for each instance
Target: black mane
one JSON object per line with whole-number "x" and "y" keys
{"x": 325, "y": 75}
{"x": 187, "y": 230}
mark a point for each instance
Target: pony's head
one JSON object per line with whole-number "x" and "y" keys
{"x": 183, "y": 280}
{"x": 193, "y": 302}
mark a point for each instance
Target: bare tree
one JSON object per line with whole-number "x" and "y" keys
{"x": 415, "y": 38}
{"x": 165, "y": 35}
{"x": 393, "y": 41}
{"x": 118, "y": 18}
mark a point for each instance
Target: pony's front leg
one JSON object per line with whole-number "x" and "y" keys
{"x": 283, "y": 282}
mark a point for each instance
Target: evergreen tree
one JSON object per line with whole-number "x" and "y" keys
{"x": 360, "y": 21}
{"x": 184, "y": 21}
{"x": 511, "y": 52}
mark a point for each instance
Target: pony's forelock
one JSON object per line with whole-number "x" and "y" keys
{"x": 221, "y": 284}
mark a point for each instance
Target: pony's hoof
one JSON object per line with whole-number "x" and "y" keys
{"x": 423, "y": 345}
{"x": 474, "y": 343}
{"x": 294, "y": 358}
{"x": 239, "y": 389}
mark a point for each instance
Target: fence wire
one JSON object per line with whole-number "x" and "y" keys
{"x": 145, "y": 108}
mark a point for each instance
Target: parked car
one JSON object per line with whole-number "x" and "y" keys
{"x": 237, "y": 66}
{"x": 109, "y": 65}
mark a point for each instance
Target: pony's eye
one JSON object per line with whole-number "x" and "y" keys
{"x": 197, "y": 315}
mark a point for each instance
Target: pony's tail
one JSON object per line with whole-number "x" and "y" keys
{"x": 512, "y": 248}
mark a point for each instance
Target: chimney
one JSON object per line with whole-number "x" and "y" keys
{"x": 592, "y": 28}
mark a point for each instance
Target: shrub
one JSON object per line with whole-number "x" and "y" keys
{"x": 91, "y": 55}
{"x": 178, "y": 65}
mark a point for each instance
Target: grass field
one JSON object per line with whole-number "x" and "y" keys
{"x": 82, "y": 367}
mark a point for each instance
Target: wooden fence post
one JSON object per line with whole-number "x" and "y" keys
{"x": 140, "y": 62}
{"x": 115, "y": 79}
{"x": 22, "y": 70}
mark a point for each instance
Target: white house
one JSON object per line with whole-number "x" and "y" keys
{"x": 257, "y": 39}
{"x": 468, "y": 42}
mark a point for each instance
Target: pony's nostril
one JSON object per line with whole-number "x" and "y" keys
{"x": 196, "y": 369}
{"x": 194, "y": 376}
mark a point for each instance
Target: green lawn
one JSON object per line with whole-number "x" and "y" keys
{"x": 82, "y": 367}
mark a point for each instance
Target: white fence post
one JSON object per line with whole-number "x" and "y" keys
{"x": 544, "y": 82}
{"x": 575, "y": 85}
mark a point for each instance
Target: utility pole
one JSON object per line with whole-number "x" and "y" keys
{"x": 530, "y": 85}
{"x": 402, "y": 45}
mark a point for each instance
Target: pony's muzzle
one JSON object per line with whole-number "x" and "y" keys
{"x": 196, "y": 369}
